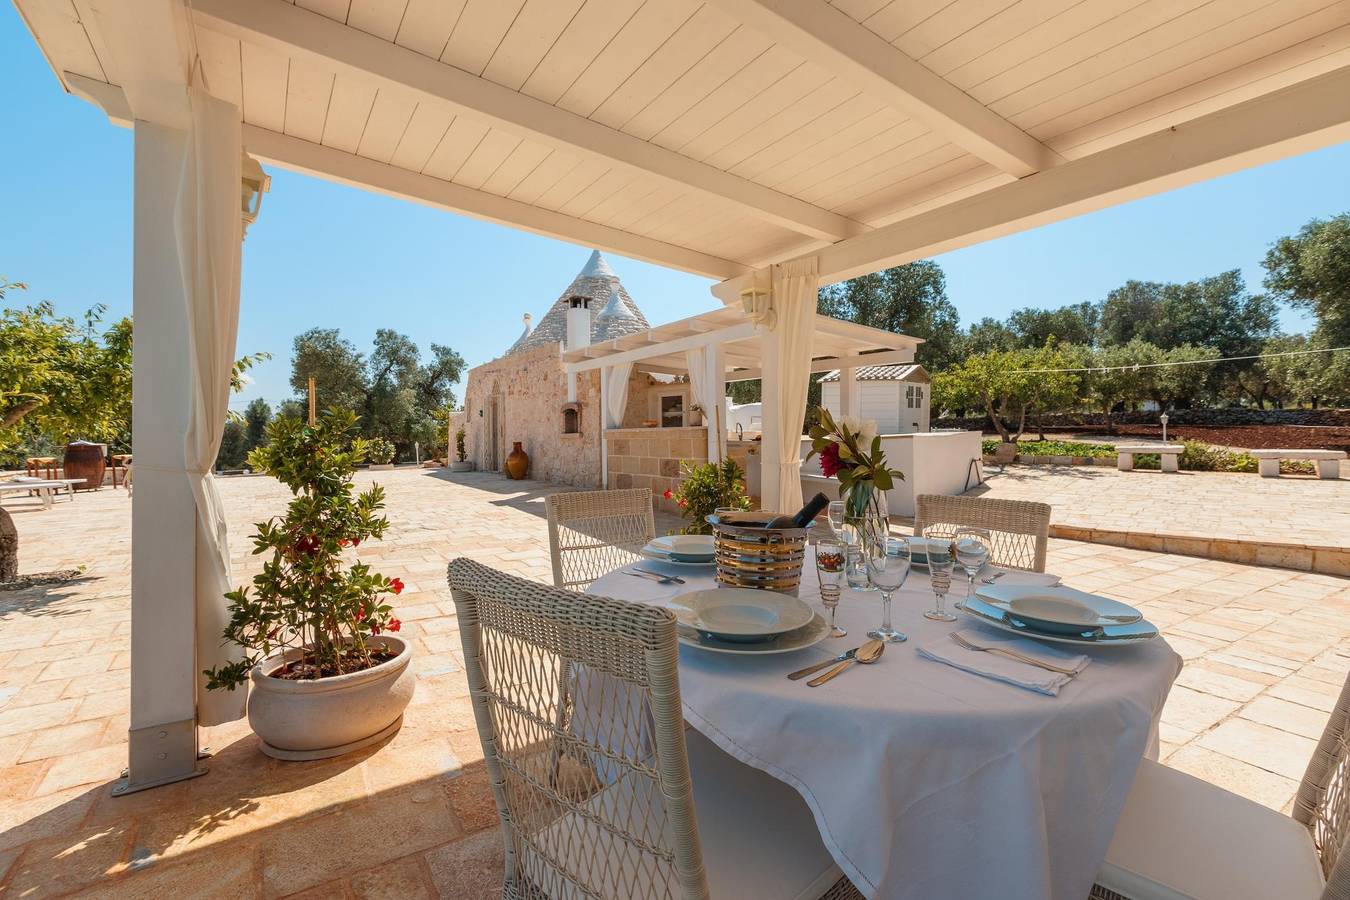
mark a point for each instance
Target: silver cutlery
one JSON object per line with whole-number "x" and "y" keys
{"x": 802, "y": 673}
{"x": 992, "y": 578}
{"x": 867, "y": 654}
{"x": 655, "y": 576}
{"x": 1012, "y": 654}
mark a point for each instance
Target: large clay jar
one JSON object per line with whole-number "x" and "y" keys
{"x": 517, "y": 461}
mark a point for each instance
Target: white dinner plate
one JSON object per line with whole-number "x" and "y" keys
{"x": 1059, "y": 610}
{"x": 809, "y": 635}
{"x": 731, "y": 614}
{"x": 662, "y": 557}
{"x": 1105, "y": 636}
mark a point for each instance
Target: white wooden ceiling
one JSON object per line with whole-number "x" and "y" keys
{"x": 720, "y": 136}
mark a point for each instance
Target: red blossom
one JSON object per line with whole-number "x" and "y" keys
{"x": 396, "y": 585}
{"x": 669, "y": 495}
{"x": 308, "y": 545}
{"x": 830, "y": 463}
{"x": 374, "y": 629}
{"x": 683, "y": 503}
{"x": 361, "y": 613}
{"x": 395, "y": 624}
{"x": 356, "y": 542}
{"x": 344, "y": 543}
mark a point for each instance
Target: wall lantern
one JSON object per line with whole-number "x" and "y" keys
{"x": 758, "y": 307}
{"x": 254, "y": 183}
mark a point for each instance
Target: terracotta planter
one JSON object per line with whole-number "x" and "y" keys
{"x": 517, "y": 462}
{"x": 329, "y": 716}
{"x": 461, "y": 465}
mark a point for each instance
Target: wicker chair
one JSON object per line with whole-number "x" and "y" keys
{"x": 597, "y": 798}
{"x": 1020, "y": 529}
{"x": 591, "y": 533}
{"x": 1183, "y": 837}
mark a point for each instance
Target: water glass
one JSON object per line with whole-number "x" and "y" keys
{"x": 835, "y": 512}
{"x": 855, "y": 561}
{"x": 972, "y": 552}
{"x": 940, "y": 564}
{"x": 887, "y": 567}
{"x": 830, "y": 556}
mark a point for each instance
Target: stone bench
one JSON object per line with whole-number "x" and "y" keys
{"x": 1169, "y": 453}
{"x": 1328, "y": 461}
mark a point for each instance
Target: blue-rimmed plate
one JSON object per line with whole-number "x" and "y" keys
{"x": 1057, "y": 609}
{"x": 1101, "y": 636}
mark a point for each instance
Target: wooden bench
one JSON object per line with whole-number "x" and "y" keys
{"x": 1169, "y": 453}
{"x": 1328, "y": 461}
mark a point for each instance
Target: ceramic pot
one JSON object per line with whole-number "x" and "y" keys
{"x": 517, "y": 461}
{"x": 329, "y": 716}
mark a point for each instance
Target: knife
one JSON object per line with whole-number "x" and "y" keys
{"x": 802, "y": 673}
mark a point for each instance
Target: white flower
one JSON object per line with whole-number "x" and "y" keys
{"x": 849, "y": 425}
{"x": 866, "y": 433}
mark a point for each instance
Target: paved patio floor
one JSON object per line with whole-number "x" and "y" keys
{"x": 1238, "y": 517}
{"x": 1266, "y": 651}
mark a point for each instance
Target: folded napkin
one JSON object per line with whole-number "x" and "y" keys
{"x": 1005, "y": 668}
{"x": 1017, "y": 577}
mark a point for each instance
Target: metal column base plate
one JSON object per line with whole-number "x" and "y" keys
{"x": 159, "y": 755}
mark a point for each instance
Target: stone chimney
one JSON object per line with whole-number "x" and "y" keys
{"x": 578, "y": 322}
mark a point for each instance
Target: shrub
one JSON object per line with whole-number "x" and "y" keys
{"x": 379, "y": 451}
{"x": 1053, "y": 448}
{"x": 706, "y": 487}
{"x": 460, "y": 453}
{"x": 307, "y": 596}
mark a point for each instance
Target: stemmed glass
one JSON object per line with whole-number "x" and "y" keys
{"x": 887, "y": 567}
{"x": 830, "y": 571}
{"x": 972, "y": 552}
{"x": 940, "y": 565}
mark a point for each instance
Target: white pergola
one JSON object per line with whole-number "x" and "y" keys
{"x": 771, "y": 144}
{"x": 722, "y": 346}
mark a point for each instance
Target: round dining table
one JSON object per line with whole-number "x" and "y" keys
{"x": 927, "y": 781}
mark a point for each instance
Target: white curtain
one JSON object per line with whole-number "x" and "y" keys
{"x": 794, "y": 301}
{"x": 210, "y": 230}
{"x": 704, "y": 391}
{"x": 616, "y": 393}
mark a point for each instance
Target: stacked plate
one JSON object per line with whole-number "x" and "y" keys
{"x": 681, "y": 549}
{"x": 746, "y": 620}
{"x": 1059, "y": 614}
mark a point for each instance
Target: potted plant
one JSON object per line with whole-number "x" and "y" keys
{"x": 327, "y": 673}
{"x": 380, "y": 452}
{"x": 461, "y": 463}
{"x": 705, "y": 488}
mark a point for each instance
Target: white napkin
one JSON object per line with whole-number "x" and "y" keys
{"x": 1005, "y": 668}
{"x": 1017, "y": 577}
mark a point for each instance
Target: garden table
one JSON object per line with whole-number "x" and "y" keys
{"x": 926, "y": 781}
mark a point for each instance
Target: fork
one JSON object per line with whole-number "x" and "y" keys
{"x": 1012, "y": 654}
{"x": 656, "y": 576}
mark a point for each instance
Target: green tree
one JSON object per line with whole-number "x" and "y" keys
{"x": 338, "y": 370}
{"x": 997, "y": 383}
{"x": 1050, "y": 388}
{"x": 1311, "y": 271}
{"x": 1181, "y": 385}
{"x": 1117, "y": 376}
{"x": 988, "y": 335}
{"x": 233, "y": 446}
{"x": 909, "y": 299}
{"x": 1075, "y": 324}
{"x": 256, "y": 417}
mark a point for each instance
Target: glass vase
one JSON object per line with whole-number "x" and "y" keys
{"x": 865, "y": 510}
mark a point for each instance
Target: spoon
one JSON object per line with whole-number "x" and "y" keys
{"x": 867, "y": 654}
{"x": 811, "y": 670}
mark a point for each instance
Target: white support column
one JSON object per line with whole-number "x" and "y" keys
{"x": 850, "y": 404}
{"x": 163, "y": 734}
{"x": 571, "y": 387}
{"x": 716, "y": 414}
{"x": 603, "y": 425}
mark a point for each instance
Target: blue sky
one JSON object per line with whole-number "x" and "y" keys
{"x": 331, "y": 256}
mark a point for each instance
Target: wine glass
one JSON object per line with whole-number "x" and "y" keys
{"x": 940, "y": 565}
{"x": 887, "y": 567}
{"x": 972, "y": 552}
{"x": 835, "y": 511}
{"x": 830, "y": 571}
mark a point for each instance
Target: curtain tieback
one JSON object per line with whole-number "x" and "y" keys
{"x": 171, "y": 470}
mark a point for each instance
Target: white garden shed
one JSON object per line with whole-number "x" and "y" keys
{"x": 897, "y": 398}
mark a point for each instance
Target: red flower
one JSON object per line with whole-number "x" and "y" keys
{"x": 344, "y": 543}
{"x": 361, "y": 613}
{"x": 683, "y": 503}
{"x": 668, "y": 494}
{"x": 374, "y": 629}
{"x": 830, "y": 463}
{"x": 396, "y": 585}
{"x": 308, "y": 545}
{"x": 356, "y": 542}
{"x": 395, "y": 624}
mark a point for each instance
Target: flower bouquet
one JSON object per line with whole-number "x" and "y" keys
{"x": 850, "y": 450}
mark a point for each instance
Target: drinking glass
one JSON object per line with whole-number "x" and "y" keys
{"x": 972, "y": 552}
{"x": 940, "y": 565}
{"x": 887, "y": 567}
{"x": 835, "y": 512}
{"x": 830, "y": 557}
{"x": 855, "y": 562}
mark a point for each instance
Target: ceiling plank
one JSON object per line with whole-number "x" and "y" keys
{"x": 301, "y": 34}
{"x": 835, "y": 42}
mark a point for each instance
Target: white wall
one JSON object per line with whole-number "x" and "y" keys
{"x": 885, "y": 403}
{"x": 749, "y": 415}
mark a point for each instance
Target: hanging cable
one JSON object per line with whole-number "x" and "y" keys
{"x": 1135, "y": 367}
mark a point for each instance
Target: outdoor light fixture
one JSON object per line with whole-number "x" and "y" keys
{"x": 252, "y": 186}
{"x": 1163, "y": 420}
{"x": 758, "y": 307}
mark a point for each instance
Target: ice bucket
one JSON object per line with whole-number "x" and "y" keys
{"x": 752, "y": 556}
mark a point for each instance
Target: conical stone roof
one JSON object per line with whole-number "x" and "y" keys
{"x": 613, "y": 312}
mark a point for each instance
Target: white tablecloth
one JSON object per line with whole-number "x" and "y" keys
{"x": 926, "y": 781}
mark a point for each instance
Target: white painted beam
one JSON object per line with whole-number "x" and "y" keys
{"x": 301, "y": 34}
{"x": 150, "y": 48}
{"x": 835, "y": 42}
{"x": 679, "y": 345}
{"x": 1296, "y": 119}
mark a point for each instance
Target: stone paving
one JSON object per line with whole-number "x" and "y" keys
{"x": 1266, "y": 651}
{"x": 1295, "y": 521}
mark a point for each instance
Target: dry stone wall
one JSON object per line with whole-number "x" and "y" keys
{"x": 650, "y": 458}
